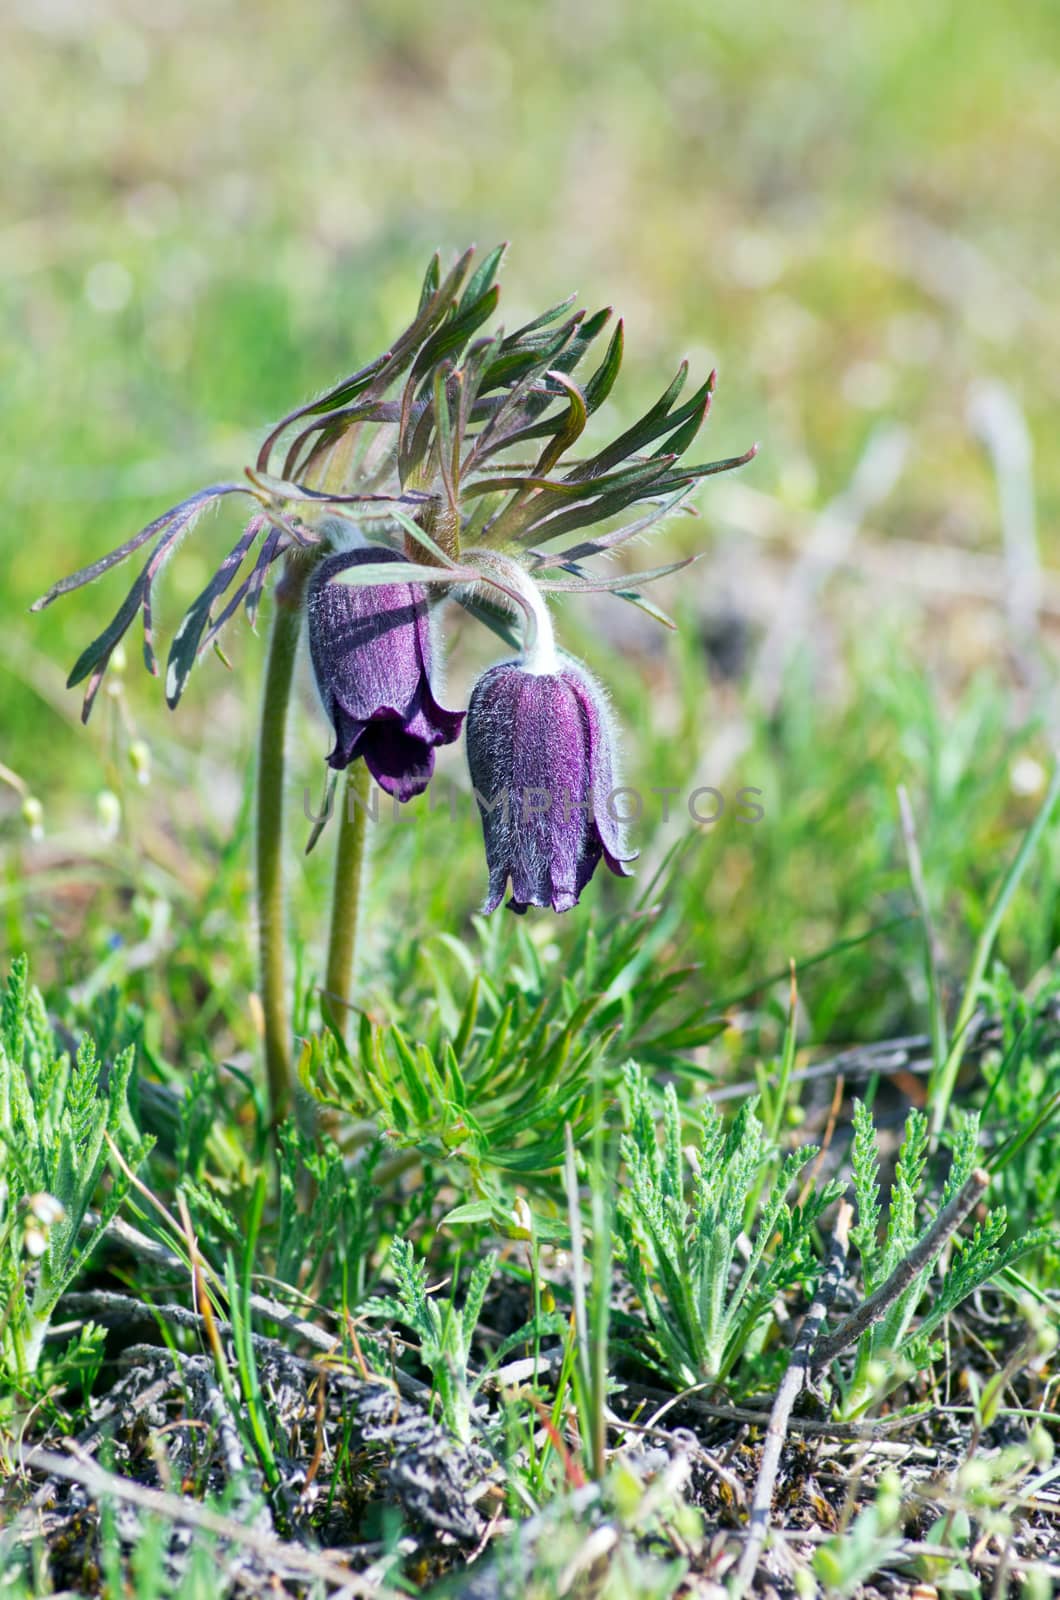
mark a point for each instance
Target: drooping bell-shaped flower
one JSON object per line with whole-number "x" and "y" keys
{"x": 539, "y": 747}
{"x": 371, "y": 653}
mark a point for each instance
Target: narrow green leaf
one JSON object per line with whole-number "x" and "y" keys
{"x": 373, "y": 574}
{"x": 432, "y": 278}
{"x": 184, "y": 648}
{"x": 183, "y": 513}
{"x": 653, "y": 422}
{"x": 482, "y": 278}
{"x": 595, "y": 585}
{"x": 602, "y": 381}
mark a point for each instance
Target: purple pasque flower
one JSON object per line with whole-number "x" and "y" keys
{"x": 371, "y": 652}
{"x": 539, "y": 746}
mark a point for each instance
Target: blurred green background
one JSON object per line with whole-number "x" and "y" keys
{"x": 212, "y": 210}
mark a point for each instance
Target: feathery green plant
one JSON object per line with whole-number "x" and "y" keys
{"x": 494, "y": 1101}
{"x": 890, "y": 1347}
{"x": 500, "y": 1072}
{"x": 340, "y": 1230}
{"x": 1022, "y": 1102}
{"x": 444, "y": 1331}
{"x": 55, "y": 1118}
{"x": 707, "y": 1302}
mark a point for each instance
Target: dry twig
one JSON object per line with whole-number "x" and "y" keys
{"x": 871, "y": 1310}
{"x": 791, "y": 1385}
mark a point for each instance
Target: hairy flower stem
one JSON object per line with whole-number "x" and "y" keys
{"x": 523, "y": 594}
{"x": 346, "y": 897}
{"x": 289, "y": 598}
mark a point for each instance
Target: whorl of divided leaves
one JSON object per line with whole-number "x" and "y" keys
{"x": 419, "y": 442}
{"x": 498, "y": 1075}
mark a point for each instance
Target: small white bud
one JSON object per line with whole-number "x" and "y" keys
{"x": 46, "y": 1208}
{"x": 33, "y": 817}
{"x": 1026, "y": 776}
{"x": 975, "y": 1475}
{"x": 108, "y": 813}
{"x": 140, "y": 761}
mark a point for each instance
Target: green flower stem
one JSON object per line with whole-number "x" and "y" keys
{"x": 289, "y": 598}
{"x": 346, "y": 897}
{"x": 349, "y": 851}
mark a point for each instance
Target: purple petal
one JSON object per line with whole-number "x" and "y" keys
{"x": 431, "y": 722}
{"x": 348, "y": 734}
{"x": 549, "y": 791}
{"x": 490, "y": 733}
{"x": 606, "y": 827}
{"x": 400, "y": 763}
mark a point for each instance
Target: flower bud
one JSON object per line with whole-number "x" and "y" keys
{"x": 33, "y": 817}
{"x": 46, "y": 1208}
{"x": 140, "y": 761}
{"x": 108, "y": 814}
{"x": 539, "y": 750}
{"x": 371, "y": 652}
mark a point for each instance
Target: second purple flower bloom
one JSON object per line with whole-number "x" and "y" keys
{"x": 539, "y": 750}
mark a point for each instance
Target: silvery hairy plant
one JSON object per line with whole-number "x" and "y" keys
{"x": 442, "y": 471}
